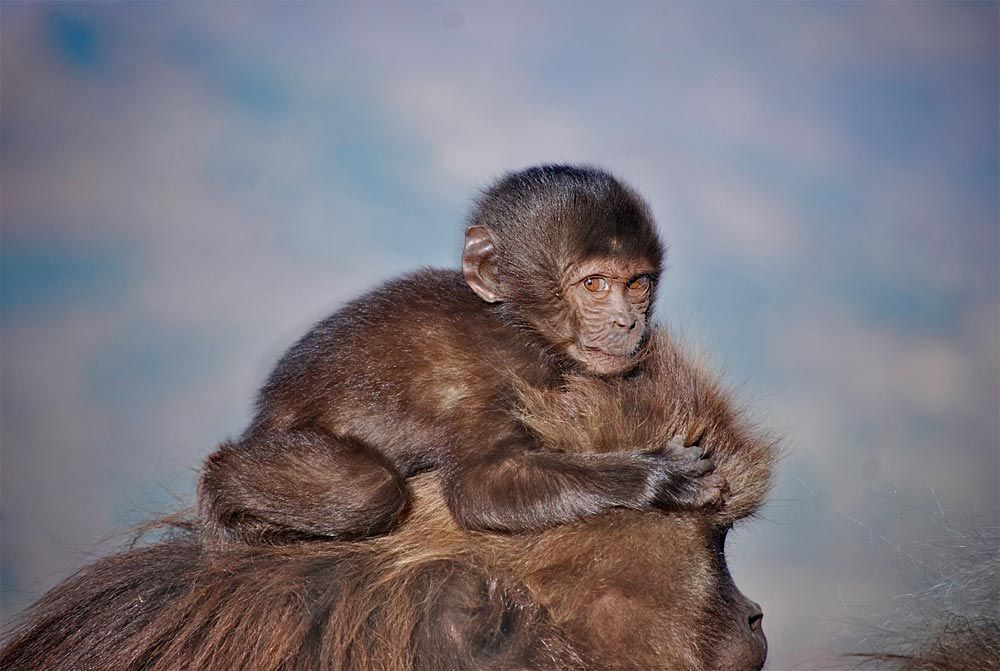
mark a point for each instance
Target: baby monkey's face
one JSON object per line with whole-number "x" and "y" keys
{"x": 609, "y": 300}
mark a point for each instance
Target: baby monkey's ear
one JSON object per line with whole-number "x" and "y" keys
{"x": 478, "y": 263}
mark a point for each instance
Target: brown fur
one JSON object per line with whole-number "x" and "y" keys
{"x": 673, "y": 396}
{"x": 626, "y": 590}
{"x": 419, "y": 374}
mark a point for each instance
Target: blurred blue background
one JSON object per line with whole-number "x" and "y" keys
{"x": 186, "y": 187}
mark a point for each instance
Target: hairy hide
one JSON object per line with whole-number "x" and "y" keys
{"x": 624, "y": 590}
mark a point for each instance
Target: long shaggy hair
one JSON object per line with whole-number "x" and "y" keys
{"x": 624, "y": 590}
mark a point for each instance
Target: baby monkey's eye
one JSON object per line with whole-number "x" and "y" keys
{"x": 639, "y": 286}
{"x": 596, "y": 284}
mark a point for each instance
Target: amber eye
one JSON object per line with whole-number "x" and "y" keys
{"x": 639, "y": 286}
{"x": 596, "y": 284}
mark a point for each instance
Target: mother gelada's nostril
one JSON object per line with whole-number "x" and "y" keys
{"x": 755, "y": 619}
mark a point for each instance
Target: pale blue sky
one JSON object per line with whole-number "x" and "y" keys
{"x": 184, "y": 188}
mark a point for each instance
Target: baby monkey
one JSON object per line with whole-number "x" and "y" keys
{"x": 559, "y": 272}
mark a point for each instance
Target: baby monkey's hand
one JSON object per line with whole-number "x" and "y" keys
{"x": 685, "y": 477}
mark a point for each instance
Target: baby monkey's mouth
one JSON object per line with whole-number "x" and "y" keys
{"x": 606, "y": 362}
{"x": 624, "y": 350}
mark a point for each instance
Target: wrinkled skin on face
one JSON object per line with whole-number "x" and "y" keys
{"x": 609, "y": 301}
{"x": 599, "y": 312}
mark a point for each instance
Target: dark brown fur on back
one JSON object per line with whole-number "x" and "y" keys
{"x": 623, "y": 590}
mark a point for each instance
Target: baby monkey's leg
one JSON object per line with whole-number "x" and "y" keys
{"x": 279, "y": 486}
